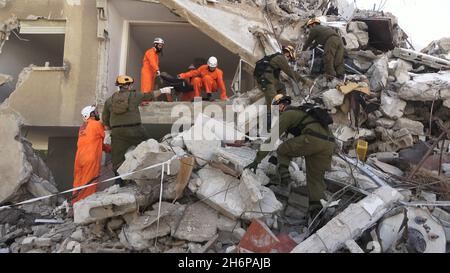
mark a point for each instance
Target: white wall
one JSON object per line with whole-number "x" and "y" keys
{"x": 134, "y": 61}
{"x": 115, "y": 29}
{"x": 18, "y": 54}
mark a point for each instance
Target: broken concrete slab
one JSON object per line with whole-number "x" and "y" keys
{"x": 227, "y": 224}
{"x": 414, "y": 127}
{"x": 427, "y": 87}
{"x": 239, "y": 157}
{"x": 378, "y": 74}
{"x": 249, "y": 188}
{"x": 199, "y": 224}
{"x": 425, "y": 235}
{"x": 350, "y": 223}
{"x": 345, "y": 133}
{"x": 392, "y": 106}
{"x": 385, "y": 123}
{"x": 113, "y": 202}
{"x": 359, "y": 29}
{"x": 333, "y": 98}
{"x": 146, "y": 154}
{"x": 221, "y": 192}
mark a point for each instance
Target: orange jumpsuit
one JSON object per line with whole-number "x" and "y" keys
{"x": 189, "y": 96}
{"x": 211, "y": 81}
{"x": 88, "y": 157}
{"x": 150, "y": 64}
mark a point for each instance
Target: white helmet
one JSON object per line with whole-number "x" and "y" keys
{"x": 212, "y": 62}
{"x": 158, "y": 41}
{"x": 86, "y": 112}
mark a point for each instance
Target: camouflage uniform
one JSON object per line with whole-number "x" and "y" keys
{"x": 333, "y": 47}
{"x": 271, "y": 84}
{"x": 126, "y": 128}
{"x": 312, "y": 141}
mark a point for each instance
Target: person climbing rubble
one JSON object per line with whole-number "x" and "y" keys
{"x": 333, "y": 47}
{"x": 267, "y": 73}
{"x": 150, "y": 65}
{"x": 312, "y": 139}
{"x": 121, "y": 115}
{"x": 89, "y": 153}
{"x": 207, "y": 76}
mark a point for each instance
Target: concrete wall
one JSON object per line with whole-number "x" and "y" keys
{"x": 115, "y": 29}
{"x": 67, "y": 93}
{"x": 134, "y": 61}
{"x": 37, "y": 50}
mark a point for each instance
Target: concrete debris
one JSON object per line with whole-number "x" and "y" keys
{"x": 146, "y": 154}
{"x": 222, "y": 193}
{"x": 23, "y": 172}
{"x": 103, "y": 205}
{"x": 199, "y": 224}
{"x": 378, "y": 74}
{"x": 393, "y": 101}
{"x": 392, "y": 106}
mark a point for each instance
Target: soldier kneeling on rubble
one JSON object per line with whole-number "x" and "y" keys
{"x": 313, "y": 140}
{"x": 121, "y": 115}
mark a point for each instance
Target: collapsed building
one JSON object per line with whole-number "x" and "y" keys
{"x": 198, "y": 199}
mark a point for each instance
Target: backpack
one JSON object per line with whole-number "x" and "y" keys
{"x": 120, "y": 102}
{"x": 262, "y": 65}
{"x": 321, "y": 115}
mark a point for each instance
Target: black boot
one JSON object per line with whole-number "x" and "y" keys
{"x": 119, "y": 181}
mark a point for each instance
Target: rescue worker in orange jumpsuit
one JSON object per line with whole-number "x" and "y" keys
{"x": 89, "y": 153}
{"x": 207, "y": 76}
{"x": 150, "y": 66}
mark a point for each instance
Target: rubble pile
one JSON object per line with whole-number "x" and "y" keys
{"x": 392, "y": 197}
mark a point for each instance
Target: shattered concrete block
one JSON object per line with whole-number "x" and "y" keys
{"x": 396, "y": 144}
{"x": 225, "y": 223}
{"x": 385, "y": 123}
{"x": 447, "y": 103}
{"x": 414, "y": 127}
{"x": 359, "y": 29}
{"x": 43, "y": 242}
{"x": 40, "y": 187}
{"x": 201, "y": 145}
{"x": 333, "y": 98}
{"x": 351, "y": 41}
{"x": 222, "y": 193}
{"x": 392, "y": 106}
{"x": 249, "y": 188}
{"x": 350, "y": 223}
{"x": 239, "y": 157}
{"x": 146, "y": 154}
{"x": 378, "y": 74}
{"x": 427, "y": 87}
{"x": 345, "y": 133}
{"x": 400, "y": 133}
{"x": 103, "y": 205}
{"x": 199, "y": 224}
{"x": 401, "y": 72}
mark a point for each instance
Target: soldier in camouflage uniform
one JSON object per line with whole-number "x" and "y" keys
{"x": 121, "y": 115}
{"x": 333, "y": 47}
{"x": 312, "y": 140}
{"x": 270, "y": 82}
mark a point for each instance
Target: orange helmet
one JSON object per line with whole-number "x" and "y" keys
{"x": 291, "y": 50}
{"x": 313, "y": 21}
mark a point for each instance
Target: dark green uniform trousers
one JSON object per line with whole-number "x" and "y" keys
{"x": 317, "y": 153}
{"x": 122, "y": 139}
{"x": 334, "y": 57}
{"x": 270, "y": 91}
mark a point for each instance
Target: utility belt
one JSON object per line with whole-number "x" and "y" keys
{"x": 324, "y": 137}
{"x": 126, "y": 125}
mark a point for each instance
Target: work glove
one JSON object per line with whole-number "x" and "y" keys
{"x": 178, "y": 77}
{"x": 158, "y": 73}
{"x": 252, "y": 165}
{"x": 166, "y": 90}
